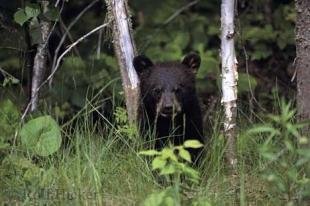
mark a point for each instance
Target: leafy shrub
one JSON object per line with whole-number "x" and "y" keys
{"x": 286, "y": 155}
{"x": 170, "y": 163}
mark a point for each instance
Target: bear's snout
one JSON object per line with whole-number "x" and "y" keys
{"x": 168, "y": 105}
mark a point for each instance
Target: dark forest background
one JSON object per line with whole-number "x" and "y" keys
{"x": 163, "y": 30}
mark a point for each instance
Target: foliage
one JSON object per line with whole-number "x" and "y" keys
{"x": 32, "y": 11}
{"x": 169, "y": 162}
{"x": 124, "y": 127}
{"x": 9, "y": 122}
{"x": 287, "y": 155}
{"x": 41, "y": 136}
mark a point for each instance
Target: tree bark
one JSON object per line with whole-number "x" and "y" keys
{"x": 229, "y": 79}
{"x": 40, "y": 59}
{"x": 302, "y": 63}
{"x": 125, "y": 52}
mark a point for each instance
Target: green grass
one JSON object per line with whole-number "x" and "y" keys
{"x": 103, "y": 167}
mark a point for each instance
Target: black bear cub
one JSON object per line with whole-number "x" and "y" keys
{"x": 168, "y": 100}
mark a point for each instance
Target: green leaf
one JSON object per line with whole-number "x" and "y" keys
{"x": 158, "y": 163}
{"x": 168, "y": 170}
{"x": 192, "y": 144}
{"x": 192, "y": 173}
{"x": 184, "y": 154}
{"x": 32, "y": 10}
{"x": 20, "y": 17}
{"x": 41, "y": 135}
{"x": 35, "y": 31}
{"x": 149, "y": 152}
{"x": 168, "y": 153}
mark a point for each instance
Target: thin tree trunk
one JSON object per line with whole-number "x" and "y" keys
{"x": 302, "y": 63}
{"x": 40, "y": 59}
{"x": 125, "y": 51}
{"x": 229, "y": 79}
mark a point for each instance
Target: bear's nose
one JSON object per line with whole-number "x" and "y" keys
{"x": 167, "y": 110}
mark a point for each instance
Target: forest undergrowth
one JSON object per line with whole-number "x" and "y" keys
{"x": 106, "y": 162}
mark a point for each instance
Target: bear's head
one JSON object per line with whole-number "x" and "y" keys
{"x": 167, "y": 88}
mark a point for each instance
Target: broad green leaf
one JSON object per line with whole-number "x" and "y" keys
{"x": 35, "y": 31}
{"x": 168, "y": 153}
{"x": 20, "y": 17}
{"x": 41, "y": 135}
{"x": 32, "y": 10}
{"x": 192, "y": 173}
{"x": 192, "y": 144}
{"x": 158, "y": 163}
{"x": 168, "y": 170}
{"x": 184, "y": 154}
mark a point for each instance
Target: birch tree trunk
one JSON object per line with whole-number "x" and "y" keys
{"x": 229, "y": 79}
{"x": 125, "y": 52}
{"x": 302, "y": 63}
{"x": 40, "y": 60}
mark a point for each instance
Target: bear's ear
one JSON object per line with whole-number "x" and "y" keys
{"x": 192, "y": 60}
{"x": 141, "y": 63}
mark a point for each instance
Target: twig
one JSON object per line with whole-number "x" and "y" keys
{"x": 99, "y": 43}
{"x": 64, "y": 29}
{"x": 179, "y": 11}
{"x": 60, "y": 58}
{"x": 5, "y": 73}
{"x": 73, "y": 45}
{"x": 57, "y": 2}
{"x": 66, "y": 33}
{"x": 248, "y": 76}
{"x": 295, "y": 72}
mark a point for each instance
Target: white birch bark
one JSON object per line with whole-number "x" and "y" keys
{"x": 125, "y": 52}
{"x": 229, "y": 79}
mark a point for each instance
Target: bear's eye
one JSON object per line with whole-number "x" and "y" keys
{"x": 157, "y": 91}
{"x": 177, "y": 90}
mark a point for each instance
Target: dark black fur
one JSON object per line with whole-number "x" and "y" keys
{"x": 168, "y": 89}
